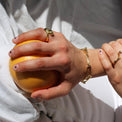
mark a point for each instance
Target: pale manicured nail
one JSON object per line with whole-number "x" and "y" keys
{"x": 100, "y": 52}
{"x": 15, "y": 39}
{"x": 11, "y": 53}
{"x": 15, "y": 67}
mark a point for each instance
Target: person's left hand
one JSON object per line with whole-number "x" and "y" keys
{"x": 64, "y": 57}
{"x": 109, "y": 55}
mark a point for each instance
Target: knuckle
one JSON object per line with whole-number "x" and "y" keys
{"x": 39, "y": 29}
{"x": 36, "y": 45}
{"x": 110, "y": 52}
{"x": 40, "y": 63}
{"x": 107, "y": 67}
{"x": 119, "y": 40}
{"x": 16, "y": 51}
{"x": 22, "y": 66}
{"x": 114, "y": 44}
{"x": 65, "y": 60}
{"x": 111, "y": 42}
{"x": 106, "y": 47}
{"x": 60, "y": 34}
{"x": 63, "y": 47}
{"x": 39, "y": 32}
{"x": 21, "y": 36}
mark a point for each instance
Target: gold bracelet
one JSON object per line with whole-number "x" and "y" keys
{"x": 88, "y": 71}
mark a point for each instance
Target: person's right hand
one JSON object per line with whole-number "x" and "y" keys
{"x": 63, "y": 57}
{"x": 109, "y": 54}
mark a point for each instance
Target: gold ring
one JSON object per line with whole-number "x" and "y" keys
{"x": 49, "y": 32}
{"x": 120, "y": 52}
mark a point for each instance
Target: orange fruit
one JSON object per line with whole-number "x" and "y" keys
{"x": 30, "y": 81}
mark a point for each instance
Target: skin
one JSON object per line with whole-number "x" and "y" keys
{"x": 108, "y": 54}
{"x": 64, "y": 57}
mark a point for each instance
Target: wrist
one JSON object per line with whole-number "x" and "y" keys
{"x": 97, "y": 68}
{"x": 87, "y": 74}
{"x": 82, "y": 65}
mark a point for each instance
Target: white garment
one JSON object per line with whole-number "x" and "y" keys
{"x": 83, "y": 24}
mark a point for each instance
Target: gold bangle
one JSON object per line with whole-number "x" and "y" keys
{"x": 88, "y": 71}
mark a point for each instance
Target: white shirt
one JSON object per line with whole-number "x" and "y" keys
{"x": 84, "y": 25}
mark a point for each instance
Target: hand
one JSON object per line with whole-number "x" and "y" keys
{"x": 108, "y": 55}
{"x": 64, "y": 57}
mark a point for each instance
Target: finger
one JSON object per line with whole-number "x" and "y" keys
{"x": 106, "y": 64}
{"x": 56, "y": 62}
{"x": 120, "y": 41}
{"x": 111, "y": 53}
{"x": 33, "y": 48}
{"x": 38, "y": 34}
{"x": 53, "y": 92}
{"x": 43, "y": 63}
{"x": 116, "y": 46}
{"x": 111, "y": 42}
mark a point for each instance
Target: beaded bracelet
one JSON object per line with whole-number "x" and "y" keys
{"x": 88, "y": 71}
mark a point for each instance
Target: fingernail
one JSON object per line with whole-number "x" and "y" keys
{"x": 15, "y": 67}
{"x": 100, "y": 51}
{"x": 10, "y": 53}
{"x": 15, "y": 39}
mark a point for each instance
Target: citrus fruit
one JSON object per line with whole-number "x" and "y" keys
{"x": 30, "y": 81}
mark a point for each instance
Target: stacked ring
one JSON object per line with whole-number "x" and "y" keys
{"x": 49, "y": 32}
{"x": 120, "y": 52}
